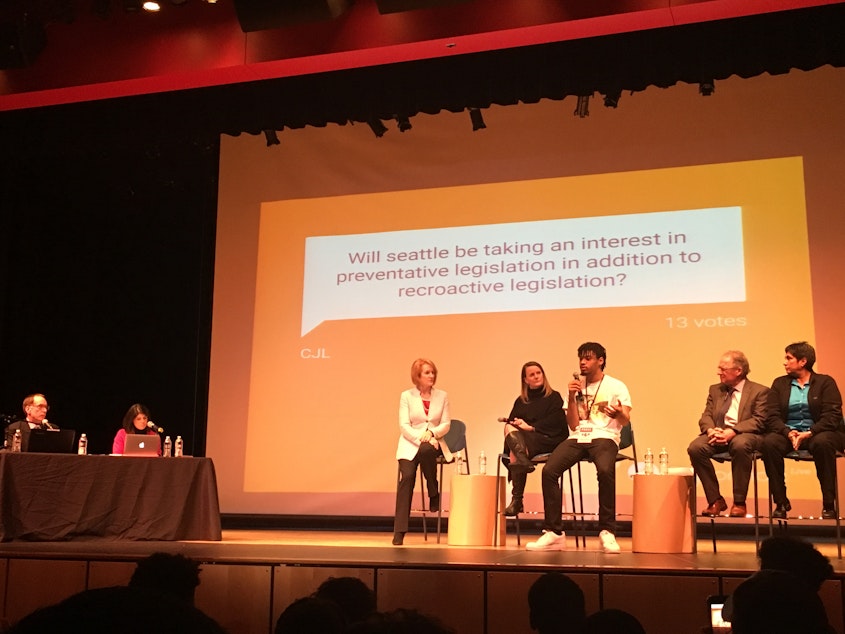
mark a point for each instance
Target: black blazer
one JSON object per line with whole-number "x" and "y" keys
{"x": 824, "y": 400}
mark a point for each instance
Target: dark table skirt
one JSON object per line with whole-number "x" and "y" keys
{"x": 57, "y": 497}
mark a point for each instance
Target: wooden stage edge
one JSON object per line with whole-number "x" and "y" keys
{"x": 368, "y": 548}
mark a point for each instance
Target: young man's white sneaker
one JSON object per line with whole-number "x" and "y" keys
{"x": 549, "y": 540}
{"x": 608, "y": 542}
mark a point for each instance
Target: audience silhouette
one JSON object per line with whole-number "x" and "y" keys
{"x": 777, "y": 602}
{"x": 555, "y": 605}
{"x": 796, "y": 556}
{"x": 311, "y": 615}
{"x": 118, "y": 609}
{"x": 612, "y": 621}
{"x": 175, "y": 575}
{"x": 401, "y": 621}
{"x": 355, "y": 599}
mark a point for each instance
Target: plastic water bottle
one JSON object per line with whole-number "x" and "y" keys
{"x": 177, "y": 447}
{"x": 16, "y": 442}
{"x": 459, "y": 461}
{"x": 482, "y": 463}
{"x": 664, "y": 462}
{"x": 168, "y": 444}
{"x": 83, "y": 445}
{"x": 648, "y": 465}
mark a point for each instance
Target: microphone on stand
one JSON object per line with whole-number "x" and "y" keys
{"x": 48, "y": 425}
{"x": 152, "y": 425}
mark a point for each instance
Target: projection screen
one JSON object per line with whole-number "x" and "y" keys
{"x": 670, "y": 229}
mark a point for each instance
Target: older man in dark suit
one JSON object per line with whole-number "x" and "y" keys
{"x": 35, "y": 407}
{"x": 734, "y": 420}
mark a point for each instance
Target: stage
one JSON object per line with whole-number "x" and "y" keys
{"x": 251, "y": 575}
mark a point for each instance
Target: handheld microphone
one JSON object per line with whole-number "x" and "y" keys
{"x": 152, "y": 425}
{"x": 502, "y": 419}
{"x": 579, "y": 395}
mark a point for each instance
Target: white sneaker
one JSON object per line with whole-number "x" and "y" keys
{"x": 549, "y": 540}
{"x": 608, "y": 542}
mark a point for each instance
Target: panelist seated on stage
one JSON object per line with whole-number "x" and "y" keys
{"x": 135, "y": 421}
{"x": 734, "y": 419}
{"x": 596, "y": 411}
{"x": 536, "y": 425}
{"x": 423, "y": 421}
{"x": 35, "y": 408}
{"x": 806, "y": 414}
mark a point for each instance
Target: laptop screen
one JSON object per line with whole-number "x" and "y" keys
{"x": 142, "y": 445}
{"x": 51, "y": 441}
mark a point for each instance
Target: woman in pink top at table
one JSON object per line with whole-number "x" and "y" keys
{"x": 135, "y": 421}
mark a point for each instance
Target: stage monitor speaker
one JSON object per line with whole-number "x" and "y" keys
{"x": 397, "y": 6}
{"x": 259, "y": 15}
{"x": 21, "y": 41}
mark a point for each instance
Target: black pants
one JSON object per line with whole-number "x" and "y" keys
{"x": 536, "y": 444}
{"x": 602, "y": 451}
{"x": 427, "y": 458}
{"x": 823, "y": 448}
{"x": 741, "y": 448}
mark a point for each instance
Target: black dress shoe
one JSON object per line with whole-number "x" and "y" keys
{"x": 514, "y": 507}
{"x": 434, "y": 503}
{"x": 781, "y": 510}
{"x": 398, "y": 538}
{"x": 828, "y": 514}
{"x": 719, "y": 506}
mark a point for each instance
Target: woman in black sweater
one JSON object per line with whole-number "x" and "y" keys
{"x": 536, "y": 425}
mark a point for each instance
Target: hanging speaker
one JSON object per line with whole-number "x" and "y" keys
{"x": 397, "y": 6}
{"x": 21, "y": 41}
{"x": 259, "y": 15}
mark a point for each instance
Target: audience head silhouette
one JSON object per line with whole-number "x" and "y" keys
{"x": 401, "y": 621}
{"x": 175, "y": 575}
{"x": 555, "y": 604}
{"x": 777, "y": 602}
{"x": 612, "y": 621}
{"x": 354, "y": 597}
{"x": 796, "y": 556}
{"x": 118, "y": 609}
{"x": 311, "y": 615}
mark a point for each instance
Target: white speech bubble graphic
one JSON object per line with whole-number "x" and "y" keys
{"x": 671, "y": 257}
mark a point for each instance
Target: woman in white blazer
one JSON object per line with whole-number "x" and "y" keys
{"x": 423, "y": 421}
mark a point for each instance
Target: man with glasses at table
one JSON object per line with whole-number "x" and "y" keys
{"x": 35, "y": 407}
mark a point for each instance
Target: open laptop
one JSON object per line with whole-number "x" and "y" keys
{"x": 51, "y": 441}
{"x": 142, "y": 445}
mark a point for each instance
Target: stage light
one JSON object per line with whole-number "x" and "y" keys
{"x": 377, "y": 127}
{"x": 611, "y": 99}
{"x": 403, "y": 123}
{"x": 272, "y": 137}
{"x": 151, "y": 6}
{"x": 477, "y": 119}
{"x": 582, "y": 109}
{"x": 707, "y": 88}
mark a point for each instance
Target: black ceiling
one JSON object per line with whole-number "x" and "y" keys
{"x": 770, "y": 43}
